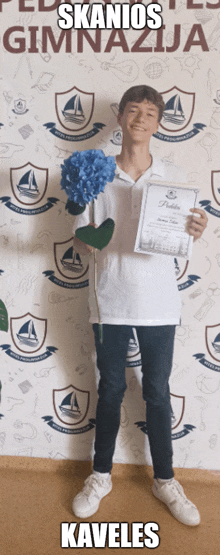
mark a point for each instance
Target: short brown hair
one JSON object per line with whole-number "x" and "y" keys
{"x": 140, "y": 93}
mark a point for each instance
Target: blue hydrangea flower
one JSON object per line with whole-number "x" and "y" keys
{"x": 84, "y": 175}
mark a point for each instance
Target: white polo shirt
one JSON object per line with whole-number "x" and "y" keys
{"x": 133, "y": 289}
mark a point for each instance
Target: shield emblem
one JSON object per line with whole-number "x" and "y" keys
{"x": 71, "y": 404}
{"x": 181, "y": 266}
{"x": 179, "y": 108}
{"x": 68, "y": 262}
{"x": 212, "y": 337}
{"x": 29, "y": 183}
{"x": 74, "y": 108}
{"x": 28, "y": 332}
{"x": 217, "y": 99}
{"x": 177, "y": 409}
{"x": 133, "y": 346}
{"x": 215, "y": 181}
{"x": 20, "y": 106}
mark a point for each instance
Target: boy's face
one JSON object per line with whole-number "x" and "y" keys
{"x": 139, "y": 121}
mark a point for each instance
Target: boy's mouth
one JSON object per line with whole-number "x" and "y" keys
{"x": 138, "y": 127}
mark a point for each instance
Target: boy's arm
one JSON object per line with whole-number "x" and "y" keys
{"x": 195, "y": 226}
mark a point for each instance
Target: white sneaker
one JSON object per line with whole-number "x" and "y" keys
{"x": 86, "y": 503}
{"x": 172, "y": 494}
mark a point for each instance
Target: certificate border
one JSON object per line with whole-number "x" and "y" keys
{"x": 169, "y": 185}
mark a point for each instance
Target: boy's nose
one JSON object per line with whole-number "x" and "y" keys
{"x": 140, "y": 116}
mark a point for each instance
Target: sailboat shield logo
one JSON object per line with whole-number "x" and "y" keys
{"x": 133, "y": 345}
{"x": 177, "y": 409}
{"x": 215, "y": 181}
{"x": 71, "y": 404}
{"x": 29, "y": 183}
{"x": 181, "y": 266}
{"x": 74, "y": 108}
{"x": 212, "y": 337}
{"x": 28, "y": 332}
{"x": 179, "y": 108}
{"x": 20, "y": 106}
{"x": 133, "y": 358}
{"x": 68, "y": 262}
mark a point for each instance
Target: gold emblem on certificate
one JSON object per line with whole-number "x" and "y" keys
{"x": 162, "y": 223}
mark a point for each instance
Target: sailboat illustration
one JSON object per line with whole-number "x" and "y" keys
{"x": 70, "y": 407}
{"x": 173, "y": 418}
{"x": 71, "y": 261}
{"x": 216, "y": 343}
{"x": 73, "y": 111}
{"x": 132, "y": 346}
{"x": 173, "y": 112}
{"x": 27, "y": 334}
{"x": 177, "y": 268}
{"x": 27, "y": 185}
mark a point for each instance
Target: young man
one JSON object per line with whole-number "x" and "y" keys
{"x": 135, "y": 290}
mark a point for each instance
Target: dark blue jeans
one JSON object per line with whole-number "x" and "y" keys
{"x": 156, "y": 346}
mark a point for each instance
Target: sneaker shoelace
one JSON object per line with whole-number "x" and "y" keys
{"x": 92, "y": 485}
{"x": 179, "y": 493}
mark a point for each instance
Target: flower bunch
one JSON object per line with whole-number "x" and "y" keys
{"x": 84, "y": 175}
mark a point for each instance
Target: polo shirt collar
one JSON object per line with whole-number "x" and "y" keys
{"x": 156, "y": 168}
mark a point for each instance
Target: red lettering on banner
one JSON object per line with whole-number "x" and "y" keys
{"x": 137, "y": 44}
{"x": 111, "y": 42}
{"x": 201, "y": 41}
{"x": 17, "y": 40}
{"x": 43, "y": 8}
{"x": 24, "y": 8}
{"x": 95, "y": 45}
{"x": 192, "y": 6}
{"x": 159, "y": 44}
{"x": 47, "y": 33}
{"x": 213, "y": 6}
{"x": 33, "y": 40}
{"x": 176, "y": 39}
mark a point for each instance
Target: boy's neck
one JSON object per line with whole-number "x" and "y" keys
{"x": 134, "y": 160}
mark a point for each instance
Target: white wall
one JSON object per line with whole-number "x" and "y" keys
{"x": 32, "y": 244}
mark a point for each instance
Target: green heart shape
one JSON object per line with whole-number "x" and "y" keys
{"x": 98, "y": 237}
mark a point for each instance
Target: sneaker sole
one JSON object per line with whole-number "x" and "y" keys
{"x": 182, "y": 522}
{"x": 92, "y": 511}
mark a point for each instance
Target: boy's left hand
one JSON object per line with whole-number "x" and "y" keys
{"x": 194, "y": 225}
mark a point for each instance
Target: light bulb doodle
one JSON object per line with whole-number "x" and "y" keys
{"x": 208, "y": 142}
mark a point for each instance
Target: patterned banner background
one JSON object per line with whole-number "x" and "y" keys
{"x": 48, "y": 372}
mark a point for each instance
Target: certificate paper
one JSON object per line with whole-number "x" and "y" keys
{"x": 161, "y": 228}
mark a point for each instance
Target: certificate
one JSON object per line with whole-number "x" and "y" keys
{"x": 161, "y": 228}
